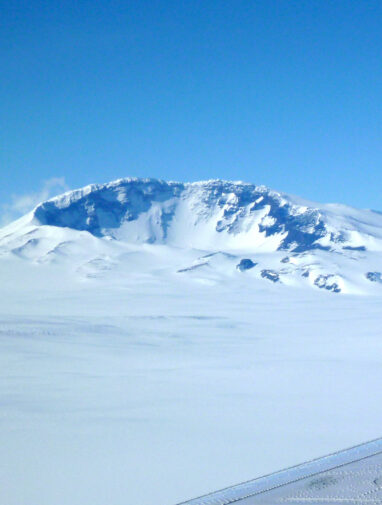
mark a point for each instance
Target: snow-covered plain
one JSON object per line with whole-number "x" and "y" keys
{"x": 128, "y": 376}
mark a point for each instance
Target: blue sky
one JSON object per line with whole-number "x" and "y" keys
{"x": 283, "y": 93}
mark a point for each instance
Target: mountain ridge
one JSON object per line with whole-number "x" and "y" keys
{"x": 298, "y": 239}
{"x": 131, "y": 197}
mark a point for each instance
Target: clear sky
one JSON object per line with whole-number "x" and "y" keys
{"x": 283, "y": 93}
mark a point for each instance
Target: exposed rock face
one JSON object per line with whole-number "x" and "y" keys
{"x": 238, "y": 210}
{"x": 327, "y": 282}
{"x": 205, "y": 231}
{"x": 245, "y": 264}
{"x": 374, "y": 276}
{"x": 271, "y": 275}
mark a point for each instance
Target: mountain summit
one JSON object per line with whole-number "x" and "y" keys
{"x": 252, "y": 229}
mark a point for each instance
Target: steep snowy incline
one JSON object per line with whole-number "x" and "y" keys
{"x": 226, "y": 227}
{"x": 195, "y": 214}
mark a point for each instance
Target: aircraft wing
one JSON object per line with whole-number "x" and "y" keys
{"x": 349, "y": 477}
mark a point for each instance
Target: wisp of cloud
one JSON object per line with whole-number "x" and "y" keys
{"x": 21, "y": 204}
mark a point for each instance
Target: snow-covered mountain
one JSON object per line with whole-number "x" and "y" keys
{"x": 160, "y": 341}
{"x": 205, "y": 230}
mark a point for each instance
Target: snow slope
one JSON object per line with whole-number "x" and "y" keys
{"x": 207, "y": 228}
{"x": 146, "y": 363}
{"x": 155, "y": 388}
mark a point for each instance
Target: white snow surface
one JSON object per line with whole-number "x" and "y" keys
{"x": 139, "y": 369}
{"x": 290, "y": 241}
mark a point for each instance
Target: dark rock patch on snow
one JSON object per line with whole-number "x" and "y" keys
{"x": 327, "y": 282}
{"x": 374, "y": 276}
{"x": 351, "y": 248}
{"x": 245, "y": 264}
{"x": 270, "y": 275}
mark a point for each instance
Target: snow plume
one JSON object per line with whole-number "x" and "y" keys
{"x": 21, "y": 204}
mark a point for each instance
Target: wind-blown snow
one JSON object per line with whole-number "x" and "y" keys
{"x": 139, "y": 371}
